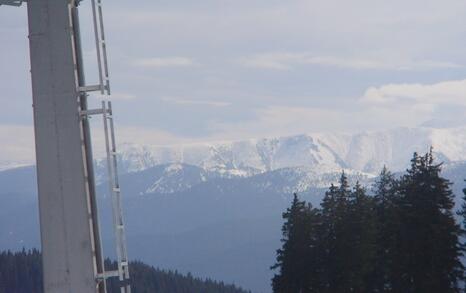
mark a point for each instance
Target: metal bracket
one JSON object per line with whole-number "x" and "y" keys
{"x": 12, "y": 2}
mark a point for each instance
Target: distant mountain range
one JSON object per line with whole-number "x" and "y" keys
{"x": 364, "y": 152}
{"x": 214, "y": 209}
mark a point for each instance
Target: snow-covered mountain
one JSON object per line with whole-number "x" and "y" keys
{"x": 301, "y": 161}
{"x": 365, "y": 152}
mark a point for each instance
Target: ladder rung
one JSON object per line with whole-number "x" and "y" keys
{"x": 90, "y": 88}
{"x": 108, "y": 274}
{"x": 92, "y": 112}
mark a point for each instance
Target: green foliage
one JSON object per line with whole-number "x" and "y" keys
{"x": 462, "y": 214}
{"x": 300, "y": 252}
{"x": 430, "y": 251}
{"x": 361, "y": 240}
{"x": 147, "y": 279}
{"x": 348, "y": 233}
{"x": 21, "y": 272}
{"x": 387, "y": 224}
{"x": 403, "y": 239}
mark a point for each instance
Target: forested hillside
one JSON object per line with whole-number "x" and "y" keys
{"x": 21, "y": 272}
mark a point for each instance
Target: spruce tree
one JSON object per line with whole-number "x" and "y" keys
{"x": 329, "y": 235}
{"x": 387, "y": 231}
{"x": 336, "y": 237}
{"x": 361, "y": 240}
{"x": 429, "y": 250}
{"x": 298, "y": 260}
{"x": 462, "y": 214}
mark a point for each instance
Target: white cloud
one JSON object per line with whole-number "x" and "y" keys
{"x": 320, "y": 36}
{"x": 196, "y": 102}
{"x": 164, "y": 62}
{"x": 135, "y": 135}
{"x": 387, "y": 106}
{"x": 145, "y": 135}
{"x": 122, "y": 96}
{"x": 17, "y": 141}
{"x": 279, "y": 61}
{"x": 115, "y": 96}
{"x": 447, "y": 92}
{"x": 286, "y": 61}
{"x": 282, "y": 121}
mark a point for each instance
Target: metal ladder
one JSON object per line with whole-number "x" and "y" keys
{"x": 101, "y": 48}
{"x": 115, "y": 191}
{"x": 122, "y": 272}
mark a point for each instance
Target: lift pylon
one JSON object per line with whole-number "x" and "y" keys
{"x": 70, "y": 235}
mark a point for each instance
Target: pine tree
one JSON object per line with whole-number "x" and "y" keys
{"x": 462, "y": 214}
{"x": 336, "y": 235}
{"x": 361, "y": 240}
{"x": 329, "y": 235}
{"x": 429, "y": 250}
{"x": 387, "y": 231}
{"x": 314, "y": 257}
{"x": 298, "y": 261}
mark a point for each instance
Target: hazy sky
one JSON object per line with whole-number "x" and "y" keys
{"x": 187, "y": 71}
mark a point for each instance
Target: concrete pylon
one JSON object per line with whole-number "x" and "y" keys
{"x": 68, "y": 235}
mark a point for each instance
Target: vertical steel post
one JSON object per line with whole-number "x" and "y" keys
{"x": 67, "y": 228}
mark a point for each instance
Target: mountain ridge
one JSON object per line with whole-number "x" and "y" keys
{"x": 365, "y": 152}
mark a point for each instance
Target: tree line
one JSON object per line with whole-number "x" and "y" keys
{"x": 21, "y": 272}
{"x": 403, "y": 237}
